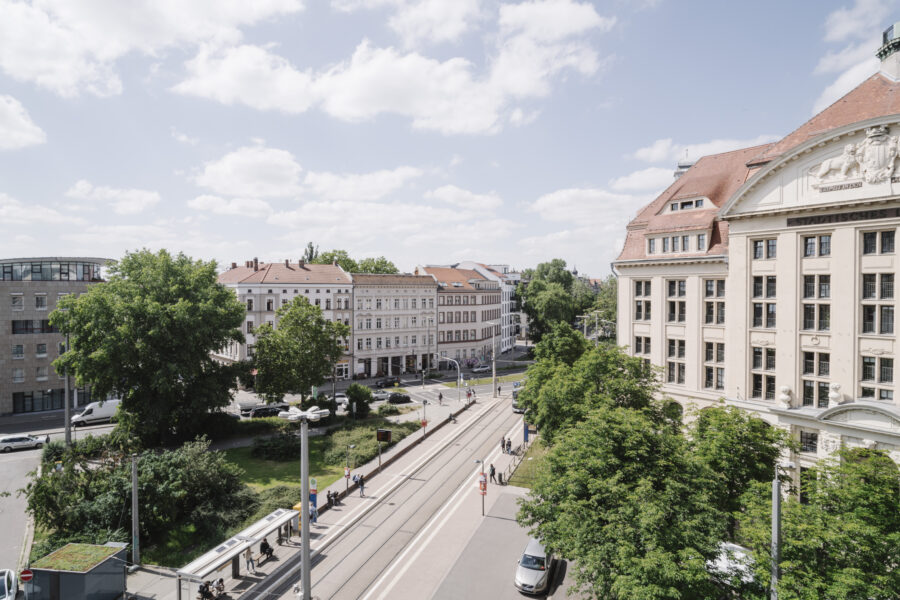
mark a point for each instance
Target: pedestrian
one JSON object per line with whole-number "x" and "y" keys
{"x": 498, "y": 390}
{"x": 493, "y": 472}
{"x": 509, "y": 446}
{"x": 313, "y": 514}
{"x": 440, "y": 399}
{"x": 251, "y": 564}
{"x": 362, "y": 486}
{"x": 503, "y": 444}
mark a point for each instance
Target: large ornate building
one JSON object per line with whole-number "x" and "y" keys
{"x": 765, "y": 276}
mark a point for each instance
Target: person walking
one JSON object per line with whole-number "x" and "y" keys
{"x": 440, "y": 399}
{"x": 498, "y": 390}
{"x": 493, "y": 472}
{"x": 509, "y": 446}
{"x": 251, "y": 564}
{"x": 362, "y": 486}
{"x": 503, "y": 445}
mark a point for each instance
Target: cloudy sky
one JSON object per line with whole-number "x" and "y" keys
{"x": 428, "y": 131}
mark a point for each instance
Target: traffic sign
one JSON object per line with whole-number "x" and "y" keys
{"x": 26, "y": 575}
{"x": 313, "y": 487}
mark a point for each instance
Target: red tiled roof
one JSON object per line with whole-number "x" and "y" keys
{"x": 447, "y": 275}
{"x": 395, "y": 279}
{"x": 279, "y": 273}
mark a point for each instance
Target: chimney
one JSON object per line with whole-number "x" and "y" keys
{"x": 286, "y": 263}
{"x": 888, "y": 53}
{"x": 255, "y": 264}
{"x": 301, "y": 262}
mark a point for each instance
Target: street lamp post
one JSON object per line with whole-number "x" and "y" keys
{"x": 458, "y": 375}
{"x": 776, "y": 529}
{"x": 66, "y": 413}
{"x": 347, "y": 478}
{"x": 477, "y": 461}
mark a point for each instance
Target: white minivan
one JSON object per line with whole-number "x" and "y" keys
{"x": 96, "y": 412}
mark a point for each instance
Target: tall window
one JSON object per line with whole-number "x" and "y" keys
{"x": 765, "y": 249}
{"x": 764, "y": 312}
{"x": 713, "y": 367}
{"x": 877, "y": 377}
{"x": 809, "y": 442}
{"x": 677, "y": 288}
{"x": 641, "y": 346}
{"x": 817, "y": 245}
{"x": 675, "y": 363}
{"x": 816, "y": 369}
{"x": 714, "y": 304}
{"x": 642, "y": 300}
{"x": 875, "y": 242}
{"x": 762, "y": 373}
{"x": 877, "y": 303}
{"x": 701, "y": 242}
{"x": 816, "y": 308}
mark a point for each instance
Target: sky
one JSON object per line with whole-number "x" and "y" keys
{"x": 427, "y": 131}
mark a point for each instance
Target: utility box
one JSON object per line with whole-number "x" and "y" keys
{"x": 80, "y": 572}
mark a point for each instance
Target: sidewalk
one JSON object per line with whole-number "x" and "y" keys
{"x": 159, "y": 582}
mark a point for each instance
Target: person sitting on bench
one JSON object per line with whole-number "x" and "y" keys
{"x": 265, "y": 549}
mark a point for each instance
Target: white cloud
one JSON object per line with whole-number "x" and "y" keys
{"x": 649, "y": 179}
{"x": 552, "y": 20}
{"x": 465, "y": 200}
{"x": 244, "y": 207}
{"x": 17, "y": 130}
{"x": 845, "y": 82}
{"x": 184, "y": 138}
{"x": 861, "y": 19}
{"x": 122, "y": 201}
{"x": 16, "y": 212}
{"x": 434, "y": 21}
{"x": 70, "y": 47}
{"x": 359, "y": 186}
{"x": 586, "y": 205}
{"x": 247, "y": 75}
{"x": 666, "y": 150}
{"x": 252, "y": 172}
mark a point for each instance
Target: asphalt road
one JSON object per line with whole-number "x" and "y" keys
{"x": 14, "y": 468}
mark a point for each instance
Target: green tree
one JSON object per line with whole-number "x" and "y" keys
{"x": 843, "y": 541}
{"x": 360, "y": 398}
{"x": 618, "y": 496}
{"x": 544, "y": 303}
{"x": 376, "y": 265}
{"x": 737, "y": 448}
{"x": 146, "y": 335}
{"x": 300, "y": 353}
{"x": 340, "y": 257}
{"x": 607, "y": 300}
{"x": 583, "y": 296}
{"x": 554, "y": 272}
{"x": 310, "y": 253}
{"x": 562, "y": 344}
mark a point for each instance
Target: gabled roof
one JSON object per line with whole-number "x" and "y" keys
{"x": 282, "y": 274}
{"x": 448, "y": 277}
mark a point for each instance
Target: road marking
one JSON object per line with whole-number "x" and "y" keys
{"x": 432, "y": 528}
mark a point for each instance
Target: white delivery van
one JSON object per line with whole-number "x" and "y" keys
{"x": 96, "y": 412}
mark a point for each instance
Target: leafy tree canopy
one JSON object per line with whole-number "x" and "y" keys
{"x": 554, "y": 272}
{"x": 341, "y": 257}
{"x": 310, "y": 253}
{"x": 146, "y": 335}
{"x": 607, "y": 300}
{"x": 843, "y": 541}
{"x": 300, "y": 353}
{"x": 362, "y": 397}
{"x": 562, "y": 344}
{"x": 376, "y": 265}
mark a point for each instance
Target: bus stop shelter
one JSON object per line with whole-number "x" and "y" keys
{"x": 229, "y": 551}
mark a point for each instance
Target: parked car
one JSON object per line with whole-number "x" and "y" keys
{"x": 380, "y": 394}
{"x": 481, "y": 369}
{"x": 533, "y": 569}
{"x": 267, "y": 410}
{"x": 387, "y": 382}
{"x": 9, "y": 585}
{"x": 398, "y": 398}
{"x": 342, "y": 400}
{"x": 517, "y": 408}
{"x": 8, "y": 443}
{"x": 97, "y": 412}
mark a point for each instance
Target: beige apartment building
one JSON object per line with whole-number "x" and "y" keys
{"x": 469, "y": 314}
{"x": 765, "y": 276}
{"x": 395, "y": 317}
{"x": 264, "y": 287}
{"x": 32, "y": 287}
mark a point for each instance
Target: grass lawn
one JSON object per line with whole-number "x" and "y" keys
{"x": 262, "y": 474}
{"x": 525, "y": 472}
{"x": 484, "y": 380}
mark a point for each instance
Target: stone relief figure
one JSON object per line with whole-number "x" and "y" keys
{"x": 871, "y": 159}
{"x": 845, "y": 165}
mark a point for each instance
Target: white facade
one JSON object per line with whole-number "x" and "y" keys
{"x": 508, "y": 280}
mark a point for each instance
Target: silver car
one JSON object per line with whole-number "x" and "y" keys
{"x": 9, "y": 585}
{"x": 16, "y": 442}
{"x": 380, "y": 394}
{"x": 533, "y": 569}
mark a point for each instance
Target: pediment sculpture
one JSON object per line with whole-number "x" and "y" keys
{"x": 871, "y": 160}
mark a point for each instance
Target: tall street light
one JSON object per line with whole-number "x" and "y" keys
{"x": 295, "y": 414}
{"x": 776, "y": 528}
{"x": 481, "y": 462}
{"x": 493, "y": 356}
{"x": 458, "y": 375}
{"x": 347, "y": 478}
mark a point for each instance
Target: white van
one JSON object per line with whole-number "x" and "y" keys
{"x": 96, "y": 412}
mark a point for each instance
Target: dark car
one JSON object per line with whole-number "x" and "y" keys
{"x": 387, "y": 382}
{"x": 398, "y": 398}
{"x": 268, "y": 410}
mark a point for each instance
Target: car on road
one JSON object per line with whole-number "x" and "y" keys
{"x": 481, "y": 369}
{"x": 398, "y": 398}
{"x": 267, "y": 410}
{"x": 97, "y": 412}
{"x": 380, "y": 394}
{"x": 387, "y": 382}
{"x": 9, "y": 585}
{"x": 342, "y": 400}
{"x": 8, "y": 443}
{"x": 516, "y": 407}
{"x": 533, "y": 569}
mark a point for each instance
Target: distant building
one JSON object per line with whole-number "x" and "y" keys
{"x": 395, "y": 324}
{"x": 796, "y": 242}
{"x": 469, "y": 307}
{"x": 264, "y": 287}
{"x": 28, "y": 343}
{"x": 508, "y": 281}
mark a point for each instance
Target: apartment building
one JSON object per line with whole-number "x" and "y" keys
{"x": 765, "y": 276}
{"x": 265, "y": 287}
{"x": 395, "y": 324}
{"x": 469, "y": 307}
{"x": 508, "y": 280}
{"x": 32, "y": 288}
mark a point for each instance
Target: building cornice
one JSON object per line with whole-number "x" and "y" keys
{"x": 647, "y": 262}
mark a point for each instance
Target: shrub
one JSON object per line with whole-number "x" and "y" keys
{"x": 271, "y": 499}
{"x": 388, "y": 409}
{"x": 362, "y": 396}
{"x": 363, "y": 436}
{"x": 284, "y": 446}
